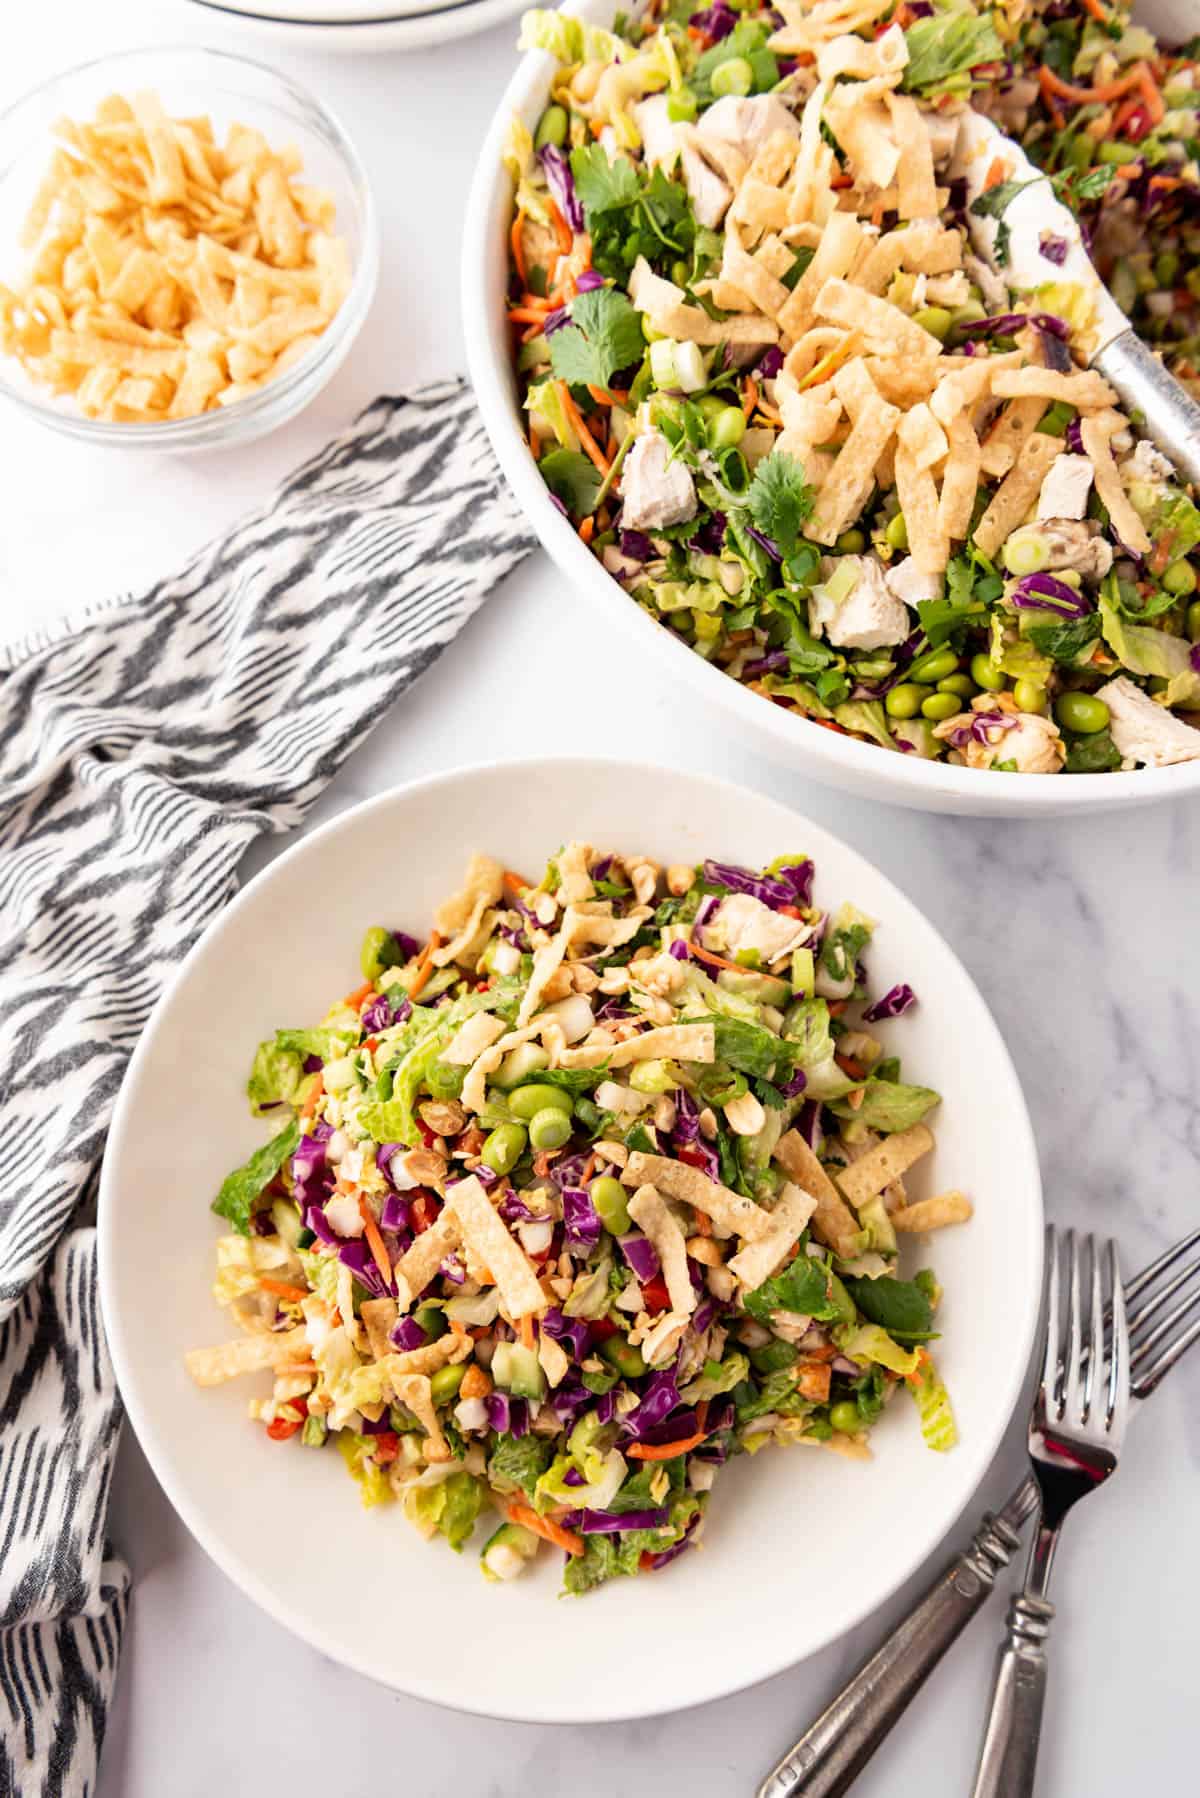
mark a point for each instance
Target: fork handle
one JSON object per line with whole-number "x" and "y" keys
{"x": 1008, "y": 1757}
{"x": 831, "y": 1754}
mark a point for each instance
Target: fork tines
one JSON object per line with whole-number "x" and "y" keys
{"x": 1160, "y": 1301}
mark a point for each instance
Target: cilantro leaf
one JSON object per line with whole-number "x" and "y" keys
{"x": 603, "y": 186}
{"x": 572, "y": 477}
{"x": 993, "y": 203}
{"x": 780, "y": 499}
{"x": 605, "y": 334}
{"x": 1064, "y": 642}
{"x": 1088, "y": 186}
{"x": 1095, "y": 754}
{"x": 629, "y": 214}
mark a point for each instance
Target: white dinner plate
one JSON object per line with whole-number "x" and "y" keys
{"x": 361, "y": 25}
{"x": 800, "y": 1545}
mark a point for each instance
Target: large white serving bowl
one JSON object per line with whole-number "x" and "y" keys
{"x": 799, "y": 1545}
{"x": 841, "y": 761}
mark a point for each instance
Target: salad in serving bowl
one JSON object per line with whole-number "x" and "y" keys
{"x": 599, "y": 1187}
{"x": 774, "y": 384}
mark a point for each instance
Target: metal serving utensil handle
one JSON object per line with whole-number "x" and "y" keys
{"x": 1169, "y": 414}
{"x": 1008, "y": 1758}
{"x": 829, "y": 1757}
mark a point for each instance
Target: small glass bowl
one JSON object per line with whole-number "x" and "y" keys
{"x": 227, "y": 89}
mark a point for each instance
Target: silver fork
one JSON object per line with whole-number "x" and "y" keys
{"x": 1075, "y": 1435}
{"x": 833, "y": 1751}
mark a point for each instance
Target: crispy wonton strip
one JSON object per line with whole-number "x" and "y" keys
{"x": 914, "y": 173}
{"x": 885, "y": 1162}
{"x": 884, "y": 325}
{"x": 1004, "y": 441}
{"x": 852, "y": 476}
{"x": 1085, "y": 389}
{"x": 415, "y": 1393}
{"x": 211, "y": 1366}
{"x": 729, "y": 1211}
{"x": 759, "y": 1260}
{"x": 932, "y": 1214}
{"x": 840, "y": 243}
{"x": 833, "y": 1220}
{"x": 651, "y": 1216}
{"x": 1013, "y": 498}
{"x": 418, "y": 1264}
{"x": 1096, "y": 434}
{"x": 918, "y": 498}
{"x": 488, "y": 1236}
{"x": 673, "y": 1042}
{"x": 961, "y": 480}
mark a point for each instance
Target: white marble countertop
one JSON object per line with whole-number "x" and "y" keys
{"x": 1082, "y": 937}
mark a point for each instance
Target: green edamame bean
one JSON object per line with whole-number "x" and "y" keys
{"x": 610, "y": 1200}
{"x": 845, "y": 1418}
{"x": 549, "y": 1128}
{"x": 1180, "y": 578}
{"x": 851, "y": 543}
{"x": 503, "y": 1148}
{"x": 903, "y": 701}
{"x": 527, "y": 1101}
{"x": 969, "y": 313}
{"x": 727, "y": 429}
{"x": 552, "y": 128}
{"x": 1193, "y": 621}
{"x": 680, "y": 272}
{"x": 962, "y": 684}
{"x": 934, "y": 319}
{"x": 1166, "y": 267}
{"x": 939, "y": 706}
{"x": 432, "y": 1320}
{"x": 444, "y": 1384}
{"x": 1113, "y": 152}
{"x": 733, "y": 77}
{"x": 379, "y": 950}
{"x": 897, "y": 532}
{"x": 1029, "y": 697}
{"x": 985, "y": 674}
{"x": 619, "y": 1353}
{"x": 933, "y": 666}
{"x": 1081, "y": 712}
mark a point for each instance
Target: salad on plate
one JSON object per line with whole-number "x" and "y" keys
{"x": 600, "y": 1186}
{"x": 775, "y": 370}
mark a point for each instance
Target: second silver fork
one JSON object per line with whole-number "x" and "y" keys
{"x": 1075, "y": 1434}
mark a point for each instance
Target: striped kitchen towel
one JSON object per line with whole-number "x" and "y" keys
{"x": 143, "y": 747}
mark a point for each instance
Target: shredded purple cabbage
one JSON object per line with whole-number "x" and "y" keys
{"x": 588, "y": 280}
{"x": 1046, "y": 593}
{"x": 1074, "y": 438}
{"x": 979, "y": 727}
{"x": 393, "y": 1213}
{"x": 717, "y": 21}
{"x": 1007, "y": 324}
{"x": 641, "y": 1255}
{"x": 582, "y": 1224}
{"x": 638, "y": 547}
{"x": 763, "y": 541}
{"x": 602, "y": 1523}
{"x": 313, "y": 1064}
{"x": 507, "y": 1416}
{"x": 561, "y": 183}
{"x": 775, "y": 662}
{"x": 677, "y": 1548}
{"x": 570, "y": 1333}
{"x": 705, "y": 1311}
{"x": 1194, "y": 657}
{"x": 796, "y": 1085}
{"x": 659, "y": 1398}
{"x": 679, "y": 950}
{"x": 358, "y": 1258}
{"x": 808, "y": 1123}
{"x": 1054, "y": 249}
{"x": 710, "y": 538}
{"x": 787, "y": 886}
{"x": 770, "y": 363}
{"x": 893, "y": 1003}
{"x": 406, "y": 1333}
{"x": 453, "y": 1270}
{"x": 569, "y": 1171}
{"x": 514, "y": 1210}
{"x": 573, "y": 1477}
{"x": 570, "y": 1400}
{"x": 381, "y": 1014}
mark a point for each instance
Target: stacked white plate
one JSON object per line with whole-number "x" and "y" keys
{"x": 364, "y": 24}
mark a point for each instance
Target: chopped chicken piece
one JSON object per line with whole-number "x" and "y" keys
{"x": 660, "y": 133}
{"x": 749, "y": 123}
{"x": 1065, "y": 489}
{"x": 1144, "y": 731}
{"x": 657, "y": 491}
{"x": 1073, "y": 545}
{"x": 911, "y": 584}
{"x": 742, "y": 923}
{"x": 710, "y": 195}
{"x": 869, "y": 617}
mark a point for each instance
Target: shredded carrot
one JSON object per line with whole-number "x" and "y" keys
{"x": 516, "y": 883}
{"x": 518, "y": 250}
{"x": 561, "y": 229}
{"x": 715, "y": 961}
{"x": 1102, "y": 92}
{"x": 854, "y": 1100}
{"x": 1162, "y": 552}
{"x": 310, "y": 1104}
{"x": 821, "y": 371}
{"x": 852, "y": 1069}
{"x": 425, "y": 966}
{"x": 589, "y": 1168}
{"x": 1097, "y": 11}
{"x": 527, "y": 315}
{"x": 526, "y": 1329}
{"x": 666, "y": 1451}
{"x": 701, "y": 1224}
{"x": 573, "y": 418}
{"x": 587, "y": 529}
{"x": 358, "y": 998}
{"x": 543, "y": 1161}
{"x": 836, "y": 1007}
{"x": 283, "y": 1289}
{"x": 599, "y": 395}
{"x": 374, "y": 1240}
{"x": 749, "y": 395}
{"x": 545, "y": 1528}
